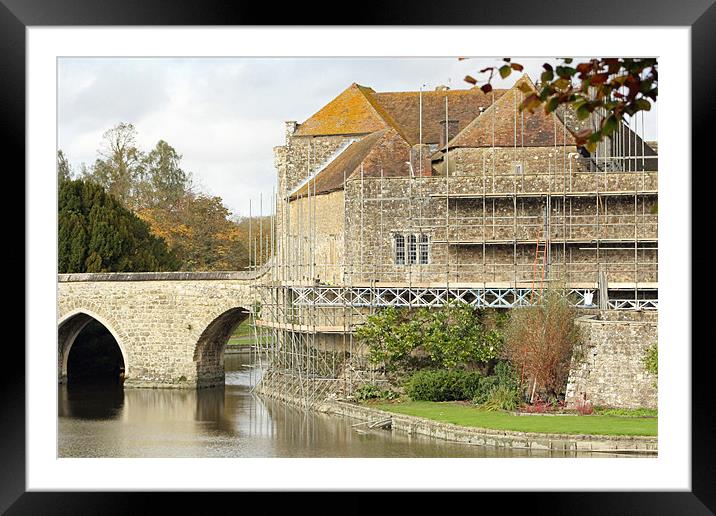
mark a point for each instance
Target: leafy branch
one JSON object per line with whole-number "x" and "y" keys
{"x": 612, "y": 87}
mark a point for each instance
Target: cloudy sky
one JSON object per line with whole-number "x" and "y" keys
{"x": 225, "y": 115}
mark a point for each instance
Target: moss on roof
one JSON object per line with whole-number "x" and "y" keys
{"x": 504, "y": 125}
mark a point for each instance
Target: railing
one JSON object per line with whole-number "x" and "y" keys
{"x": 304, "y": 297}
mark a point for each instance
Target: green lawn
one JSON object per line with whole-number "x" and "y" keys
{"x": 243, "y": 335}
{"x": 466, "y": 415}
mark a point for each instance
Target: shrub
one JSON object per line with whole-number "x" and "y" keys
{"x": 584, "y": 407}
{"x": 651, "y": 359}
{"x": 502, "y": 398}
{"x": 370, "y": 391}
{"x": 443, "y": 385}
{"x": 367, "y": 391}
{"x": 484, "y": 389}
{"x": 452, "y": 337}
{"x": 540, "y": 340}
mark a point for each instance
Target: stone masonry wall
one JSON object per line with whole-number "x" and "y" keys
{"x": 611, "y": 372}
{"x": 314, "y": 239}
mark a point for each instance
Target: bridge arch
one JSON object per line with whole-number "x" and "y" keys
{"x": 209, "y": 349}
{"x": 69, "y": 328}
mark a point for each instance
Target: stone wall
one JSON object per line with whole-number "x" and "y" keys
{"x": 314, "y": 239}
{"x": 611, "y": 371}
{"x": 170, "y": 327}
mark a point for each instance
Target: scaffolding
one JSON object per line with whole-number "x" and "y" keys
{"x": 492, "y": 233}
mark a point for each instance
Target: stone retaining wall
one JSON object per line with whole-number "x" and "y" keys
{"x": 611, "y": 370}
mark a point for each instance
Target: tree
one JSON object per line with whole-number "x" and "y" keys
{"x": 609, "y": 86}
{"x": 196, "y": 227}
{"x": 199, "y": 232}
{"x": 64, "y": 172}
{"x": 165, "y": 181}
{"x": 119, "y": 165}
{"x": 540, "y": 340}
{"x": 97, "y": 234}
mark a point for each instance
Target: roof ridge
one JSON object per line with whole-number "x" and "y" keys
{"x": 381, "y": 111}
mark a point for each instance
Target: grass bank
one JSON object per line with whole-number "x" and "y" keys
{"x": 243, "y": 335}
{"x": 467, "y": 415}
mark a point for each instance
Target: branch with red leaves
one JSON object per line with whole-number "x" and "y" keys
{"x": 613, "y": 87}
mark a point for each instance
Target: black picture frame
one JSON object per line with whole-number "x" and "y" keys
{"x": 700, "y": 15}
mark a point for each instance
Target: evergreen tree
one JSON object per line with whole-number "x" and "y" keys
{"x": 97, "y": 234}
{"x": 63, "y": 167}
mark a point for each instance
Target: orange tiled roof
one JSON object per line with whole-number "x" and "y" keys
{"x": 351, "y": 112}
{"x": 463, "y": 106}
{"x": 384, "y": 150}
{"x": 503, "y": 125}
{"x": 360, "y": 110}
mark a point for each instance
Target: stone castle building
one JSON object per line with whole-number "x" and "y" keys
{"x": 415, "y": 198}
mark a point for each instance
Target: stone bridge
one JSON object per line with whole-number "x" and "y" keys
{"x": 171, "y": 327}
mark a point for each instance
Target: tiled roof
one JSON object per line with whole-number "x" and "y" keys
{"x": 360, "y": 110}
{"x": 503, "y": 125}
{"x": 463, "y": 106}
{"x": 351, "y": 112}
{"x": 382, "y": 150}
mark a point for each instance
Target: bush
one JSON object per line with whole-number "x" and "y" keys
{"x": 540, "y": 341}
{"x": 651, "y": 360}
{"x": 370, "y": 391}
{"x": 454, "y": 336}
{"x": 622, "y": 412}
{"x": 443, "y": 385}
{"x": 484, "y": 390}
{"x": 502, "y": 398}
{"x": 584, "y": 407}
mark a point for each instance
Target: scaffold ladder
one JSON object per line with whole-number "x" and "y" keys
{"x": 539, "y": 267}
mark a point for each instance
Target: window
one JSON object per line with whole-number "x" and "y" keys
{"x": 412, "y": 249}
{"x": 399, "y": 250}
{"x": 424, "y": 254}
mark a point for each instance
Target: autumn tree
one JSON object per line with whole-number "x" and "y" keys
{"x": 199, "y": 231}
{"x": 198, "y": 228}
{"x": 540, "y": 341}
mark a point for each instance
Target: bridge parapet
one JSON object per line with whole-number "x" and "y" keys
{"x": 164, "y": 276}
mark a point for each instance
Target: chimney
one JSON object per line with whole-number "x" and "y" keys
{"x": 415, "y": 160}
{"x": 291, "y": 127}
{"x": 452, "y": 131}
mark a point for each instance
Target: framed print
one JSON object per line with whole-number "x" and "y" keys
{"x": 424, "y": 257}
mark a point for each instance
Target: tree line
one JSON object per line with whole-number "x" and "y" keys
{"x": 136, "y": 210}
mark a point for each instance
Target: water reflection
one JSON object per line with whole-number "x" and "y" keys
{"x": 105, "y": 421}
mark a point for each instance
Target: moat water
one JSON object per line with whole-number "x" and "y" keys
{"x": 230, "y": 421}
